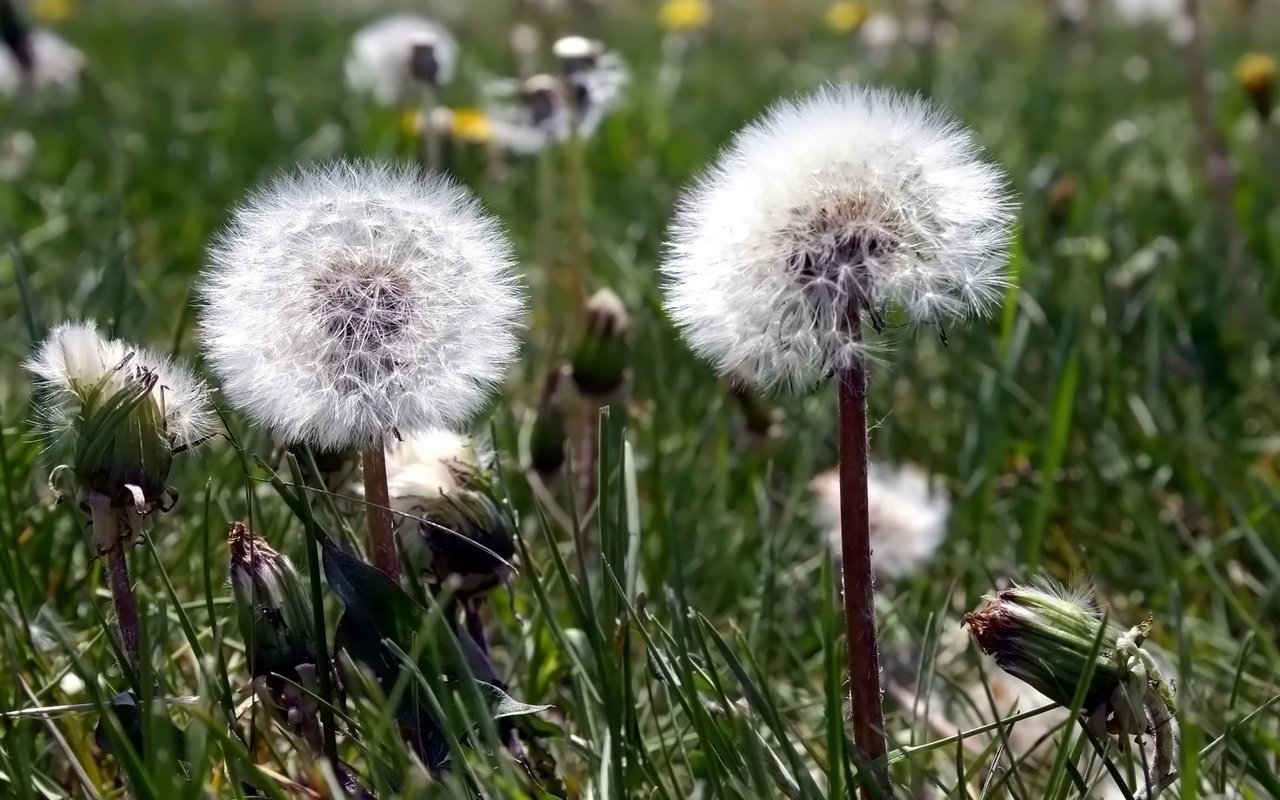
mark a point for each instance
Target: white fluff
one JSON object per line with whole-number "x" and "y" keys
{"x": 379, "y": 60}
{"x": 908, "y": 518}
{"x": 348, "y": 302}
{"x": 56, "y": 65}
{"x": 851, "y": 194}
{"x": 431, "y": 464}
{"x": 74, "y": 359}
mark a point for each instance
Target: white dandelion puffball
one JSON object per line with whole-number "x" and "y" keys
{"x": 390, "y": 55}
{"x": 347, "y": 303}
{"x": 845, "y": 202}
{"x": 431, "y": 464}
{"x": 74, "y": 361}
{"x": 56, "y": 65}
{"x": 908, "y": 517}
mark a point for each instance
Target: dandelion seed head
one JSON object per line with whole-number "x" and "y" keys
{"x": 350, "y": 302}
{"x": 74, "y": 360}
{"x": 908, "y": 517}
{"x": 431, "y": 464}
{"x": 851, "y": 199}
{"x": 56, "y": 65}
{"x": 388, "y": 56}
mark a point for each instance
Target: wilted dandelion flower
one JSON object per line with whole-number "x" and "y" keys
{"x": 833, "y": 208}
{"x": 55, "y": 65}
{"x": 389, "y": 56}
{"x": 349, "y": 302}
{"x": 117, "y": 414}
{"x": 908, "y": 517}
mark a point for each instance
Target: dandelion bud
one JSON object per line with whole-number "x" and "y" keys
{"x": 117, "y": 414}
{"x": 1256, "y": 75}
{"x": 1047, "y": 639}
{"x": 600, "y": 365}
{"x": 272, "y": 605}
{"x": 550, "y": 428}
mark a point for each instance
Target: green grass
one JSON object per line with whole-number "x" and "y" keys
{"x": 1116, "y": 421}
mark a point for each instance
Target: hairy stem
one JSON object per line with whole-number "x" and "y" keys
{"x": 126, "y": 607}
{"x": 855, "y": 559}
{"x": 382, "y": 543}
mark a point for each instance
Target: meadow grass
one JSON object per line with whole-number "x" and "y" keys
{"x": 1116, "y": 422}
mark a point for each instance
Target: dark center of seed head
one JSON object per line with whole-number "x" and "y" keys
{"x": 362, "y": 308}
{"x": 837, "y": 247}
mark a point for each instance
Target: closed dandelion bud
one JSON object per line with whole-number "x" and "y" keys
{"x": 600, "y": 365}
{"x": 1256, "y": 75}
{"x": 550, "y": 428}
{"x": 272, "y": 606}
{"x": 115, "y": 415}
{"x": 1047, "y": 639}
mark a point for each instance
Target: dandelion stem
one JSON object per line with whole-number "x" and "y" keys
{"x": 430, "y": 135}
{"x": 126, "y": 607}
{"x": 382, "y": 542}
{"x": 855, "y": 559}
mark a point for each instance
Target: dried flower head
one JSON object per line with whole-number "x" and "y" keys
{"x": 272, "y": 606}
{"x": 116, "y": 413}
{"x": 450, "y": 525}
{"x": 55, "y": 65}
{"x": 908, "y": 517}
{"x": 349, "y": 302}
{"x": 827, "y": 211}
{"x": 389, "y": 56}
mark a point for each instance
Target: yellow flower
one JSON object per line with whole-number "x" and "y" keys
{"x": 471, "y": 125}
{"x": 684, "y": 15}
{"x": 52, "y": 10}
{"x": 846, "y": 16}
{"x": 1256, "y": 74}
{"x": 410, "y": 122}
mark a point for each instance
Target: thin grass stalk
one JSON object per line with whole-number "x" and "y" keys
{"x": 855, "y": 560}
{"x": 430, "y": 137}
{"x": 382, "y": 543}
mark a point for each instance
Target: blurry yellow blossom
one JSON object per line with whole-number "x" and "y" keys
{"x": 684, "y": 15}
{"x": 846, "y": 16}
{"x": 410, "y": 122}
{"x": 52, "y": 10}
{"x": 471, "y": 125}
{"x": 1256, "y": 74}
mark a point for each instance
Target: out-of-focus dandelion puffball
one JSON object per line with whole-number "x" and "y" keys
{"x": 56, "y": 66}
{"x": 908, "y": 517}
{"x": 851, "y": 198}
{"x": 390, "y": 56}
{"x": 350, "y": 302}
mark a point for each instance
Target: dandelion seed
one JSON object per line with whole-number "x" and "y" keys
{"x": 351, "y": 301}
{"x": 908, "y": 517}
{"x": 392, "y": 55}
{"x": 42, "y": 60}
{"x": 852, "y": 200}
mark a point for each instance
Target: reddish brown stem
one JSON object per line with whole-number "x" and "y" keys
{"x": 855, "y": 559}
{"x": 126, "y": 608}
{"x": 382, "y": 542}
